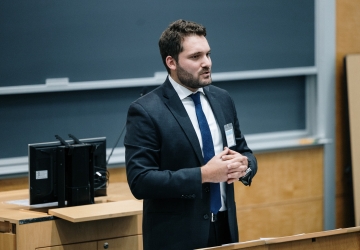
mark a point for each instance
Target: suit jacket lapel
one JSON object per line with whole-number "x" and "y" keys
{"x": 173, "y": 102}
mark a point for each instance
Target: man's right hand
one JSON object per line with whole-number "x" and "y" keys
{"x": 216, "y": 170}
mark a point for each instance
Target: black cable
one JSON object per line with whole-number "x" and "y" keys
{"x": 144, "y": 91}
{"x": 122, "y": 131}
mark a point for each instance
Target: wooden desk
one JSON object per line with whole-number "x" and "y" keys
{"x": 113, "y": 221}
{"x": 340, "y": 239}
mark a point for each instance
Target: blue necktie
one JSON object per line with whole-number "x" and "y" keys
{"x": 208, "y": 151}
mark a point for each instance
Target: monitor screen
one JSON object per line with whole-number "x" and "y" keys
{"x": 48, "y": 179}
{"x": 42, "y": 173}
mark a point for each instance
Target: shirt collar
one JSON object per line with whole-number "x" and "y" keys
{"x": 181, "y": 90}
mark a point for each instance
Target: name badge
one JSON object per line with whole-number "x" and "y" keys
{"x": 230, "y": 137}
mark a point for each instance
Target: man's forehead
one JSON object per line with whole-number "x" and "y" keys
{"x": 195, "y": 43}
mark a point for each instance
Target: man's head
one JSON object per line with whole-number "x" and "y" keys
{"x": 171, "y": 39}
{"x": 186, "y": 53}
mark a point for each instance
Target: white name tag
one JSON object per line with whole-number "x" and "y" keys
{"x": 230, "y": 137}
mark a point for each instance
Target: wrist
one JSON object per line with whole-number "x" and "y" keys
{"x": 204, "y": 174}
{"x": 246, "y": 179}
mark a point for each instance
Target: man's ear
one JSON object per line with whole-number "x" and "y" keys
{"x": 170, "y": 62}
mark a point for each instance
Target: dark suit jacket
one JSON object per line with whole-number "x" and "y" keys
{"x": 163, "y": 157}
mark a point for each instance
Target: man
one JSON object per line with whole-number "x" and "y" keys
{"x": 172, "y": 164}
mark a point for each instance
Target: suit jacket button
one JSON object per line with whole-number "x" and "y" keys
{"x": 206, "y": 217}
{"x": 207, "y": 190}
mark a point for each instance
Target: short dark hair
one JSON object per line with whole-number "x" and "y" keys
{"x": 170, "y": 42}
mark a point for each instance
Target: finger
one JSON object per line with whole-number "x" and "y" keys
{"x": 224, "y": 152}
{"x": 240, "y": 160}
{"x": 228, "y": 157}
{"x": 237, "y": 156}
{"x": 243, "y": 160}
{"x": 233, "y": 152}
{"x": 229, "y": 181}
{"x": 236, "y": 166}
{"x": 235, "y": 175}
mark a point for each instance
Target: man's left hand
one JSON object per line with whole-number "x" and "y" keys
{"x": 237, "y": 166}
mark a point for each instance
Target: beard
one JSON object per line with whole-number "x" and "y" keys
{"x": 188, "y": 80}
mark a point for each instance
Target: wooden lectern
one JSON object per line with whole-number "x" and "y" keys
{"x": 113, "y": 222}
{"x": 340, "y": 239}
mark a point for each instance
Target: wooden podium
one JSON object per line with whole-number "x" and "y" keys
{"x": 113, "y": 222}
{"x": 340, "y": 239}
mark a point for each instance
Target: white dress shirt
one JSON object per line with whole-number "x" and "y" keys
{"x": 189, "y": 105}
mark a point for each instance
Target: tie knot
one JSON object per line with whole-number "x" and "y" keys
{"x": 196, "y": 98}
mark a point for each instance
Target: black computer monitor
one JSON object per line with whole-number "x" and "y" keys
{"x": 100, "y": 165}
{"x": 75, "y": 172}
{"x": 43, "y": 172}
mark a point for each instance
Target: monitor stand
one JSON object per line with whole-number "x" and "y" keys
{"x": 75, "y": 167}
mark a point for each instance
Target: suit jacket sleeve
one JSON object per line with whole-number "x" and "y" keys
{"x": 150, "y": 170}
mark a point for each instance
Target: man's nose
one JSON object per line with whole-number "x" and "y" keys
{"x": 206, "y": 63}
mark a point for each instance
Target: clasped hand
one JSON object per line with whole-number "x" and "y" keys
{"x": 227, "y": 166}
